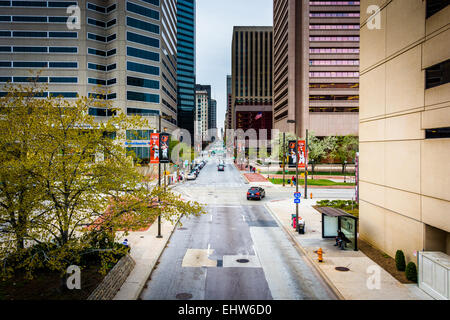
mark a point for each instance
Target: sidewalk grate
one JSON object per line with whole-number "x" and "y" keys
{"x": 243, "y": 260}
{"x": 184, "y": 296}
{"x": 343, "y": 269}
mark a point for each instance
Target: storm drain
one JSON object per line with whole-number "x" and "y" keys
{"x": 243, "y": 260}
{"x": 183, "y": 296}
{"x": 343, "y": 269}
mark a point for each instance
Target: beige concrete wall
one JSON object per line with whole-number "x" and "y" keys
{"x": 405, "y": 178}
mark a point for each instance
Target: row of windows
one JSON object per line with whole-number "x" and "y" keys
{"x": 142, "y": 54}
{"x": 140, "y": 135}
{"x": 101, "y": 9}
{"x": 39, "y": 4}
{"x": 333, "y": 97}
{"x": 142, "y": 25}
{"x": 333, "y": 85}
{"x": 143, "y": 83}
{"x": 38, "y": 64}
{"x": 94, "y": 95}
{"x": 102, "y": 82}
{"x": 141, "y": 112}
{"x": 143, "y": 97}
{"x": 101, "y": 112}
{"x": 101, "y": 53}
{"x": 100, "y": 67}
{"x": 40, "y": 79}
{"x": 137, "y": 38}
{"x": 38, "y": 34}
{"x": 334, "y": 50}
{"x": 143, "y": 11}
{"x": 334, "y": 74}
{"x": 67, "y": 95}
{"x": 437, "y": 75}
{"x": 334, "y": 27}
{"x": 334, "y": 3}
{"x": 333, "y": 109}
{"x": 434, "y": 6}
{"x": 334, "y": 39}
{"x": 39, "y": 49}
{"x": 334, "y": 14}
{"x": 142, "y": 68}
{"x": 334, "y": 63}
{"x": 35, "y": 19}
{"x": 97, "y": 37}
{"x": 102, "y": 24}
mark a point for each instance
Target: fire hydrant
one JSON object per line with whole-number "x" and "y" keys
{"x": 320, "y": 255}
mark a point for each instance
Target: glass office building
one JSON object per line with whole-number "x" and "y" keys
{"x": 186, "y": 64}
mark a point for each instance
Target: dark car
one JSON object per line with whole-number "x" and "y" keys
{"x": 256, "y": 193}
{"x": 220, "y": 167}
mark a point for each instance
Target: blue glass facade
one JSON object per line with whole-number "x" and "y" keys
{"x": 186, "y": 64}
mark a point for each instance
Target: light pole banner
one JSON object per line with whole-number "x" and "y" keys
{"x": 292, "y": 155}
{"x": 302, "y": 154}
{"x": 164, "y": 147}
{"x": 154, "y": 148}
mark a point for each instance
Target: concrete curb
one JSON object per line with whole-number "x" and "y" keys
{"x": 291, "y": 234}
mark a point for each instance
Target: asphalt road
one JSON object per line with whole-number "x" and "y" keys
{"x": 235, "y": 252}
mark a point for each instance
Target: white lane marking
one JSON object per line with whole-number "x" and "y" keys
{"x": 209, "y": 248}
{"x": 211, "y": 217}
{"x": 243, "y": 218}
{"x": 254, "y": 250}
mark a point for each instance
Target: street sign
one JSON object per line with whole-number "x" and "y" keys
{"x": 297, "y": 195}
{"x": 296, "y": 201}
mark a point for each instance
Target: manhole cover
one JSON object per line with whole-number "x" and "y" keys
{"x": 342, "y": 269}
{"x": 183, "y": 296}
{"x": 243, "y": 260}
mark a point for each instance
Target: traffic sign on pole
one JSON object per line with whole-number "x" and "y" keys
{"x": 297, "y": 195}
{"x": 296, "y": 201}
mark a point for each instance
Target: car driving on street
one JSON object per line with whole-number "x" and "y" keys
{"x": 192, "y": 176}
{"x": 220, "y": 167}
{"x": 256, "y": 193}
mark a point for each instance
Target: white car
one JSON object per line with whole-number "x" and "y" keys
{"x": 191, "y": 176}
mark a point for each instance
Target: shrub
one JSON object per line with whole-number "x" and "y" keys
{"x": 400, "y": 260}
{"x": 411, "y": 272}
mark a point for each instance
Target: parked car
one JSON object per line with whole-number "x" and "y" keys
{"x": 256, "y": 193}
{"x": 220, "y": 167}
{"x": 192, "y": 176}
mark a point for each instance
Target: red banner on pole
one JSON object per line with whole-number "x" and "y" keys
{"x": 154, "y": 148}
{"x": 301, "y": 154}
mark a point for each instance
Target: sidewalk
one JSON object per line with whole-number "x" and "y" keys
{"x": 351, "y": 285}
{"x": 146, "y": 250}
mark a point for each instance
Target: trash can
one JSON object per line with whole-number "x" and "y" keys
{"x": 301, "y": 226}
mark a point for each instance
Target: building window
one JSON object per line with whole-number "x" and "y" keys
{"x": 439, "y": 133}
{"x": 434, "y": 6}
{"x": 148, "y": 41}
{"x": 143, "y": 54}
{"x": 437, "y": 75}
{"x": 142, "y": 68}
{"x": 144, "y": 97}
{"x": 141, "y": 112}
{"x": 143, "y": 83}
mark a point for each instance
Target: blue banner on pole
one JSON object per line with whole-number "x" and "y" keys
{"x": 296, "y": 200}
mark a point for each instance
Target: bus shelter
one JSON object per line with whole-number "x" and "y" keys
{"x": 336, "y": 219}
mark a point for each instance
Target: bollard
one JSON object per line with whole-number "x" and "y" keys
{"x": 320, "y": 255}
{"x": 311, "y": 195}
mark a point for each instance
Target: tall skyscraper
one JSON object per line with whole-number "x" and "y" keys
{"x": 316, "y": 66}
{"x": 252, "y": 78}
{"x": 186, "y": 13}
{"x": 229, "y": 115}
{"x": 212, "y": 119}
{"x": 125, "y": 47}
{"x": 201, "y": 114}
{"x": 405, "y": 128}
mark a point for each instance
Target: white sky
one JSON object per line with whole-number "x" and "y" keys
{"x": 215, "y": 21}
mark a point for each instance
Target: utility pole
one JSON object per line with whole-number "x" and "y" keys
{"x": 159, "y": 236}
{"x": 306, "y": 166}
{"x": 284, "y": 156}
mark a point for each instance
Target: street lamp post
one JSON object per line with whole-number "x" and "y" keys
{"x": 159, "y": 236}
{"x": 296, "y": 175}
{"x": 306, "y": 166}
{"x": 345, "y": 164}
{"x": 284, "y": 156}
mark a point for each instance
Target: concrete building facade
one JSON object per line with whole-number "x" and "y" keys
{"x": 201, "y": 113}
{"x": 316, "y": 67}
{"x": 405, "y": 126}
{"x": 252, "y": 78}
{"x": 127, "y": 48}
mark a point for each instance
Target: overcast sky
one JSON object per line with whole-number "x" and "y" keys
{"x": 215, "y": 21}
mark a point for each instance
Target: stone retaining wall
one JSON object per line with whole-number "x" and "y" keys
{"x": 108, "y": 288}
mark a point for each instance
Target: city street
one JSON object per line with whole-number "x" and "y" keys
{"x": 236, "y": 251}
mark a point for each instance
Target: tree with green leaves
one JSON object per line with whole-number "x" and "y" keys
{"x": 66, "y": 177}
{"x": 346, "y": 149}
